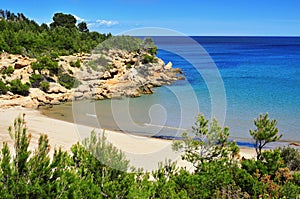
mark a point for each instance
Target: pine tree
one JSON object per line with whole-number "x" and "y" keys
{"x": 265, "y": 132}
{"x": 208, "y": 142}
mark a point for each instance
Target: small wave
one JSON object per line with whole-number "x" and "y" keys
{"x": 90, "y": 115}
{"x": 162, "y": 126}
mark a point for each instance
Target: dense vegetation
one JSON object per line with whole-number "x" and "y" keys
{"x": 128, "y": 43}
{"x": 145, "y": 51}
{"x": 64, "y": 36}
{"x": 19, "y": 35}
{"x": 96, "y": 169}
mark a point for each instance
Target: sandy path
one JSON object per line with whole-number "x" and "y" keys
{"x": 142, "y": 152}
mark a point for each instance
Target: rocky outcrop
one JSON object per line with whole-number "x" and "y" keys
{"x": 109, "y": 74}
{"x": 56, "y": 88}
{"x": 126, "y": 76}
{"x": 7, "y": 101}
{"x": 53, "y": 98}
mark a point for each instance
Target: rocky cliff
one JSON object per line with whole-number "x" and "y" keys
{"x": 108, "y": 74}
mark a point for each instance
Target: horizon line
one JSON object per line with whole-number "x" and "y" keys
{"x": 213, "y": 35}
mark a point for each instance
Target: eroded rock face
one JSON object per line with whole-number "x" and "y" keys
{"x": 127, "y": 77}
{"x": 56, "y": 88}
{"x": 124, "y": 75}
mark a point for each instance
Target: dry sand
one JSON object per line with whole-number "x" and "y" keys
{"x": 143, "y": 152}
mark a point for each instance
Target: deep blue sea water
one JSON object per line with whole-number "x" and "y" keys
{"x": 231, "y": 78}
{"x": 260, "y": 74}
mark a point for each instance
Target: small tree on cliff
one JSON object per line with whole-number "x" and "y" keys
{"x": 149, "y": 46}
{"x": 82, "y": 27}
{"x": 63, "y": 20}
{"x": 265, "y": 132}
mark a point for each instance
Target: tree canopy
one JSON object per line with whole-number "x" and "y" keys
{"x": 82, "y": 26}
{"x": 19, "y": 35}
{"x": 266, "y": 131}
{"x": 63, "y": 20}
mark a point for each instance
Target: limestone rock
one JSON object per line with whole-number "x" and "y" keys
{"x": 116, "y": 82}
{"x": 36, "y": 93}
{"x": 83, "y": 88}
{"x": 97, "y": 91}
{"x": 56, "y": 88}
{"x": 78, "y": 95}
{"x": 106, "y": 75}
{"x": 168, "y": 66}
{"x": 146, "y": 89}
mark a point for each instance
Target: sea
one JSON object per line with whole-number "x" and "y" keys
{"x": 231, "y": 79}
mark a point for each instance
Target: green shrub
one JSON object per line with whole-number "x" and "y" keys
{"x": 101, "y": 61}
{"x": 148, "y": 59}
{"x": 8, "y": 71}
{"x": 268, "y": 165}
{"x": 67, "y": 81}
{"x": 128, "y": 65}
{"x": 17, "y": 87}
{"x": 75, "y": 64}
{"x": 291, "y": 158}
{"x": 78, "y": 63}
{"x": 92, "y": 64}
{"x": 246, "y": 181}
{"x": 45, "y": 62}
{"x": 296, "y": 178}
{"x": 97, "y": 169}
{"x": 231, "y": 191}
{"x": 149, "y": 46}
{"x": 35, "y": 80}
{"x": 100, "y": 64}
{"x": 107, "y": 67}
{"x": 70, "y": 71}
{"x": 54, "y": 55}
{"x": 72, "y": 64}
{"x": 44, "y": 85}
{"x": 105, "y": 152}
{"x": 3, "y": 88}
{"x": 152, "y": 51}
{"x": 128, "y": 43}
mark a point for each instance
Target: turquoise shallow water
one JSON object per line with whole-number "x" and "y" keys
{"x": 260, "y": 74}
{"x": 257, "y": 75}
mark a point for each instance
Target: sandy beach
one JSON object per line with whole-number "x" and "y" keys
{"x": 143, "y": 152}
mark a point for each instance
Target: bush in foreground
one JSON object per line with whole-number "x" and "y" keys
{"x": 96, "y": 169}
{"x": 291, "y": 158}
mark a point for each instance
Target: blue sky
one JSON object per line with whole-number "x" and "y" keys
{"x": 190, "y": 17}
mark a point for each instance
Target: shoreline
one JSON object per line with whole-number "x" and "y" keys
{"x": 143, "y": 152}
{"x": 68, "y": 117}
